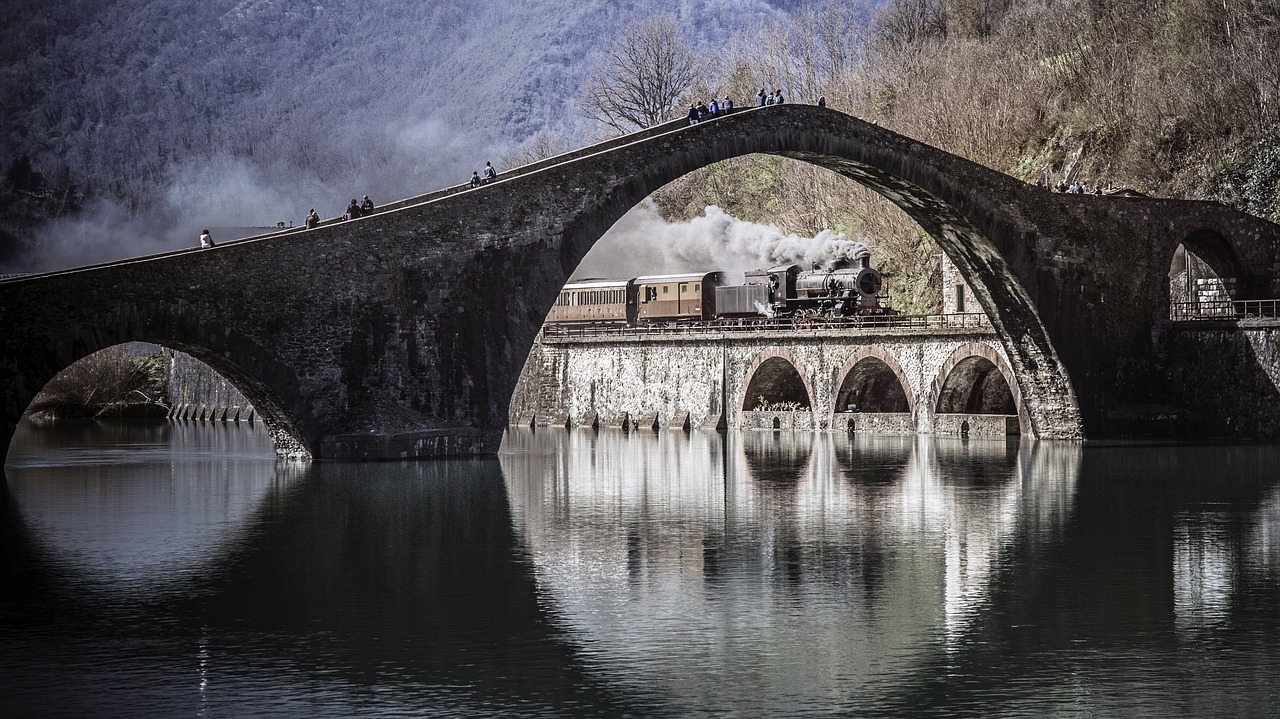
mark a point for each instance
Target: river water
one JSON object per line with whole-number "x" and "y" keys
{"x": 180, "y": 570}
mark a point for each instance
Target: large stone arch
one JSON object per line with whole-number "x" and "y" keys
{"x": 966, "y": 352}
{"x": 952, "y": 199}
{"x": 862, "y": 356}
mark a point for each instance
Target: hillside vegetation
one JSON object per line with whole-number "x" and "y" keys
{"x": 1175, "y": 98}
{"x": 158, "y": 117}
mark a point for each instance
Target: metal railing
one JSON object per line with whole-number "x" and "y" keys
{"x": 1224, "y": 310}
{"x": 974, "y": 320}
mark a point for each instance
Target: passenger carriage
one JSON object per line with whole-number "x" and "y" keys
{"x": 595, "y": 302}
{"x": 685, "y": 297}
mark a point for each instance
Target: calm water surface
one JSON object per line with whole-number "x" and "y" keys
{"x": 180, "y": 570}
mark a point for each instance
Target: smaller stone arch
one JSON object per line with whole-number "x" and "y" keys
{"x": 775, "y": 374}
{"x": 976, "y": 379}
{"x": 1204, "y": 275}
{"x": 883, "y": 382}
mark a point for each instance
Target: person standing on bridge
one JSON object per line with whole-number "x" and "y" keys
{"x": 714, "y": 107}
{"x": 366, "y": 206}
{"x": 693, "y": 114}
{"x": 822, "y": 101}
{"x": 727, "y": 106}
{"x": 312, "y": 218}
{"x": 778, "y": 97}
{"x": 206, "y": 239}
{"x": 490, "y": 174}
{"x": 353, "y": 210}
{"x": 760, "y": 102}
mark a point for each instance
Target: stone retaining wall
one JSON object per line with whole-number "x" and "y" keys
{"x": 198, "y": 393}
{"x": 1229, "y": 372}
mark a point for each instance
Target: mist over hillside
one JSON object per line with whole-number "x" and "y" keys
{"x": 154, "y": 118}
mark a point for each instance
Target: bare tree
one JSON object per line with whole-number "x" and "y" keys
{"x": 539, "y": 147}
{"x": 107, "y": 377}
{"x": 905, "y": 23}
{"x": 641, "y": 76}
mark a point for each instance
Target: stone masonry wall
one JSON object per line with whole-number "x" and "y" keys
{"x": 702, "y": 380}
{"x": 1230, "y": 373}
{"x": 197, "y": 392}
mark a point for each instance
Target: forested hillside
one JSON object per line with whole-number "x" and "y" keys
{"x": 156, "y": 116}
{"x": 1175, "y": 98}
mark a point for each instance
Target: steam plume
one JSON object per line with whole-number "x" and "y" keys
{"x": 643, "y": 243}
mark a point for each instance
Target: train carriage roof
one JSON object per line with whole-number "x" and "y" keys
{"x": 594, "y": 284}
{"x": 686, "y": 277}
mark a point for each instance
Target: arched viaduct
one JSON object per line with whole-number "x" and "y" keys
{"x": 402, "y": 334}
{"x": 908, "y": 380}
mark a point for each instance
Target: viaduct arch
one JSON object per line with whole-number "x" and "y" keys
{"x": 884, "y": 377}
{"x": 965, "y": 356}
{"x": 777, "y": 375}
{"x": 403, "y": 334}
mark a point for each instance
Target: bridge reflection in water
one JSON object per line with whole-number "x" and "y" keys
{"x": 835, "y": 561}
{"x": 177, "y": 571}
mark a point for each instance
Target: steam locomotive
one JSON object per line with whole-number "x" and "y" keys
{"x": 784, "y": 291}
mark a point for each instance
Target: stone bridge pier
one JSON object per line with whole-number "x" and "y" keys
{"x": 403, "y": 334}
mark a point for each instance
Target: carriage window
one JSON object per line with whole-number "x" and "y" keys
{"x": 684, "y": 289}
{"x": 666, "y": 289}
{"x": 697, "y": 289}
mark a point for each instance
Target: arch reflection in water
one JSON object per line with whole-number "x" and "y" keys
{"x": 139, "y": 505}
{"x": 817, "y": 564}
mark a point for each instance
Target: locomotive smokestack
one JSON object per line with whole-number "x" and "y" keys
{"x": 850, "y": 255}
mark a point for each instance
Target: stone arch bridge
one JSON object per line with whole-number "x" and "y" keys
{"x": 402, "y": 334}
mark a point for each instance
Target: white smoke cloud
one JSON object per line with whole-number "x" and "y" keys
{"x": 238, "y": 197}
{"x": 231, "y": 192}
{"x": 643, "y": 243}
{"x": 102, "y": 232}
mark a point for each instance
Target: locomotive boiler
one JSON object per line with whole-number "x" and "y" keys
{"x": 788, "y": 291}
